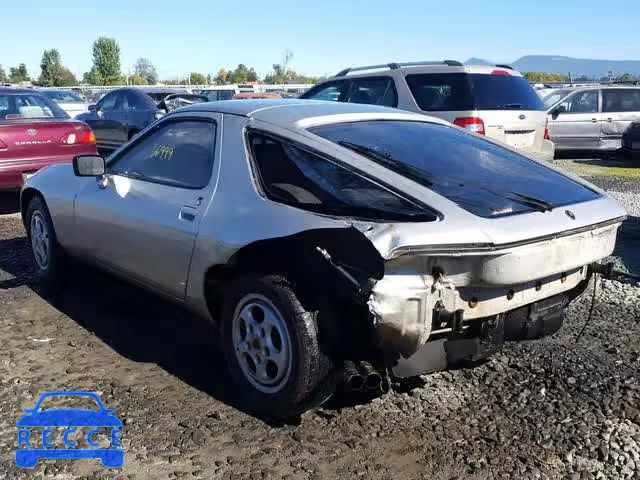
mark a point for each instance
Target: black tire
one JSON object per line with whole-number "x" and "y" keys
{"x": 312, "y": 379}
{"x": 51, "y": 272}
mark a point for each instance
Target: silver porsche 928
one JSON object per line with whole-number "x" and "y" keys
{"x": 329, "y": 242}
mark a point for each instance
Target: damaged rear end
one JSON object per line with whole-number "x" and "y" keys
{"x": 436, "y": 306}
{"x": 511, "y": 247}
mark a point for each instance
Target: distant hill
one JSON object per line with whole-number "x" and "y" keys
{"x": 559, "y": 64}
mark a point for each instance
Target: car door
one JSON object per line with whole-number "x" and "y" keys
{"x": 138, "y": 113}
{"x": 142, "y": 219}
{"x": 101, "y": 121}
{"x": 575, "y": 122}
{"x": 620, "y": 107}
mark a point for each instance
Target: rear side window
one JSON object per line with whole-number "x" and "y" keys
{"x": 481, "y": 177}
{"x": 373, "y": 91}
{"x": 441, "y": 92}
{"x": 627, "y": 100}
{"x": 21, "y": 106}
{"x": 174, "y": 153}
{"x": 295, "y": 176}
{"x": 331, "y": 91}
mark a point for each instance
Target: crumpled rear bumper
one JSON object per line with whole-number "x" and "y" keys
{"x": 408, "y": 301}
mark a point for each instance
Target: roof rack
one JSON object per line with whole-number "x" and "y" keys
{"x": 509, "y": 67}
{"x": 624, "y": 82}
{"x": 395, "y": 66}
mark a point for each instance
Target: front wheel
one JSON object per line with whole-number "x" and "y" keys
{"x": 48, "y": 256}
{"x": 272, "y": 349}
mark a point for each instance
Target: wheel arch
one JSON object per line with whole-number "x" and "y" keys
{"x": 300, "y": 259}
{"x": 26, "y": 196}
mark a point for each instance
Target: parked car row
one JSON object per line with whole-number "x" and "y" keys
{"x": 429, "y": 244}
{"x": 494, "y": 101}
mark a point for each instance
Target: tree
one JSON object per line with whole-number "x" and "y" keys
{"x": 3, "y": 75}
{"x": 19, "y": 74}
{"x": 544, "y": 77}
{"x": 138, "y": 80}
{"x": 50, "y": 68}
{"x": 106, "y": 60}
{"x": 144, "y": 68}
{"x": 222, "y": 76}
{"x": 197, "y": 78}
{"x": 66, "y": 78}
{"x": 208, "y": 79}
{"x": 240, "y": 74}
{"x": 626, "y": 77}
{"x": 252, "y": 76}
{"x": 91, "y": 77}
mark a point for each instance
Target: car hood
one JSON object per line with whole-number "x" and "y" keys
{"x": 69, "y": 418}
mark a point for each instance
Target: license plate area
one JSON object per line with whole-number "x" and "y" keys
{"x": 520, "y": 138}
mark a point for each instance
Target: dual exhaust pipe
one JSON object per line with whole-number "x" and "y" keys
{"x": 363, "y": 376}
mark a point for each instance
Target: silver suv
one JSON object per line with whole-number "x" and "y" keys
{"x": 494, "y": 101}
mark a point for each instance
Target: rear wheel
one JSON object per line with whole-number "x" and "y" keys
{"x": 271, "y": 344}
{"x": 49, "y": 258}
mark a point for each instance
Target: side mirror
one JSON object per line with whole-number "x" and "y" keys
{"x": 559, "y": 109}
{"x": 93, "y": 108}
{"x": 88, "y": 166}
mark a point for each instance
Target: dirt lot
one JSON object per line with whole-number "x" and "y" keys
{"x": 546, "y": 409}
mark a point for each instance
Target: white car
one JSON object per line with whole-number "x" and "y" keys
{"x": 329, "y": 239}
{"x": 496, "y": 101}
{"x": 68, "y": 101}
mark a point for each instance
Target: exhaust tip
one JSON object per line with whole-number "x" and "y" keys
{"x": 352, "y": 377}
{"x": 373, "y": 381}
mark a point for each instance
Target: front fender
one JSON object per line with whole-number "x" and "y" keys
{"x": 58, "y": 186}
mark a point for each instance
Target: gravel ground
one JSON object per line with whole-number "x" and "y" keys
{"x": 545, "y": 409}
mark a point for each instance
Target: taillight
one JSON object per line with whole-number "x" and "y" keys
{"x": 546, "y": 130}
{"x": 81, "y": 137}
{"x": 473, "y": 124}
{"x": 504, "y": 73}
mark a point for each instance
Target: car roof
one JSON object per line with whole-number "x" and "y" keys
{"x": 425, "y": 69}
{"x": 10, "y": 90}
{"x": 290, "y": 111}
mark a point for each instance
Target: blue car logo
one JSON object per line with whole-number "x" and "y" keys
{"x": 29, "y": 451}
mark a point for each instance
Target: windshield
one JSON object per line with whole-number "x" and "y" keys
{"x": 28, "y": 105}
{"x": 62, "y": 96}
{"x": 480, "y": 176}
{"x": 554, "y": 97}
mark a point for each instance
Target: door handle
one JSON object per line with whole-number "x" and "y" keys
{"x": 609, "y": 119}
{"x": 594, "y": 120}
{"x": 187, "y": 214}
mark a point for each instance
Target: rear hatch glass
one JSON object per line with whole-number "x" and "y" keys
{"x": 441, "y": 92}
{"x": 481, "y": 177}
{"x": 28, "y": 106}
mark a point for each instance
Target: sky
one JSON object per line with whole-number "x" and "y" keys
{"x": 324, "y": 35}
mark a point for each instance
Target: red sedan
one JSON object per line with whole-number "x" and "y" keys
{"x": 36, "y": 133}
